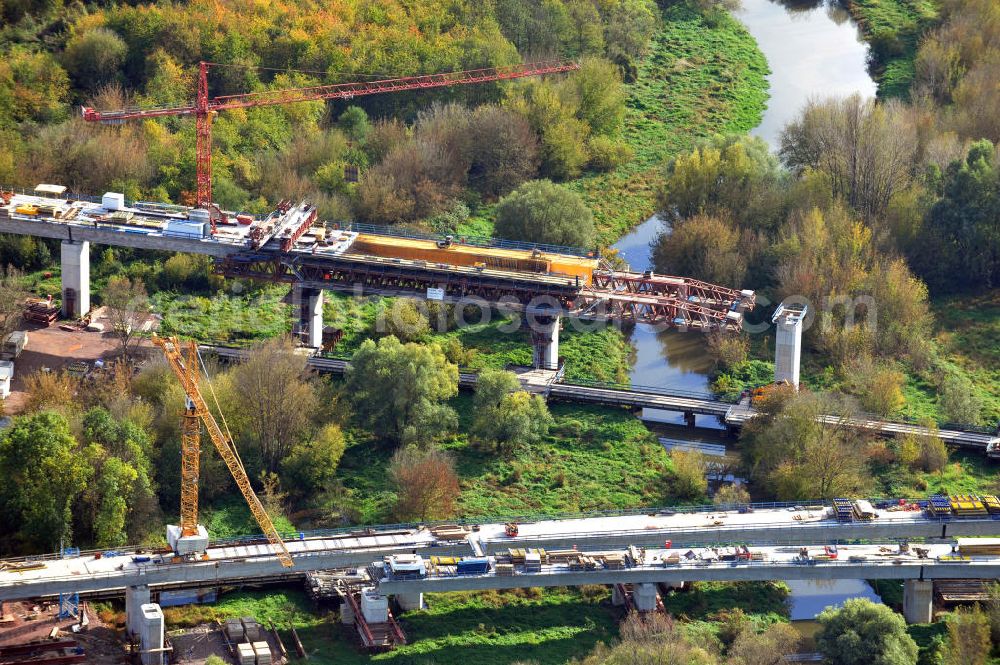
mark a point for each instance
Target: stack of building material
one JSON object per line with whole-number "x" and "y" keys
{"x": 844, "y": 510}
{"x": 979, "y": 546}
{"x": 450, "y": 532}
{"x": 614, "y": 561}
{"x": 532, "y": 562}
{"x": 992, "y": 504}
{"x": 562, "y": 556}
{"x": 234, "y": 630}
{"x": 263, "y": 652}
{"x": 245, "y": 654}
{"x": 939, "y": 506}
{"x": 518, "y": 555}
{"x": 864, "y": 511}
{"x": 583, "y": 562}
{"x": 41, "y": 312}
{"x": 504, "y": 570}
{"x": 251, "y": 629}
{"x": 967, "y": 505}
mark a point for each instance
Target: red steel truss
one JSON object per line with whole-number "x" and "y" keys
{"x": 666, "y": 301}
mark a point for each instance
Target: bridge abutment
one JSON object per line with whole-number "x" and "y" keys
{"x": 545, "y": 339}
{"x": 918, "y": 601}
{"x": 75, "y": 264}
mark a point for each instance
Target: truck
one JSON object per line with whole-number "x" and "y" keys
{"x": 13, "y": 345}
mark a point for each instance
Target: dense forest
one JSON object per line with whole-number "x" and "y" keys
{"x": 414, "y": 149}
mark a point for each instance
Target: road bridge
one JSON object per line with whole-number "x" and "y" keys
{"x": 290, "y": 245}
{"x": 643, "y": 569}
{"x": 229, "y": 563}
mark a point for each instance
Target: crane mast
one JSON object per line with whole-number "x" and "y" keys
{"x": 184, "y": 363}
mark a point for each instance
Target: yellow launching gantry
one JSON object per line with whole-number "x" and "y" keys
{"x": 190, "y": 538}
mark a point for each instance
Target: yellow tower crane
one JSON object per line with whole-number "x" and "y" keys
{"x": 183, "y": 360}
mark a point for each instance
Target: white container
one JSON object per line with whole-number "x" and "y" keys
{"x": 245, "y": 654}
{"x": 374, "y": 606}
{"x": 263, "y": 652}
{"x": 184, "y": 229}
{"x": 113, "y": 201}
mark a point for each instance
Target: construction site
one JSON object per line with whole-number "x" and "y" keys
{"x": 117, "y": 604}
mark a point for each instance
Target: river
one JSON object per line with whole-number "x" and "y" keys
{"x": 814, "y": 50}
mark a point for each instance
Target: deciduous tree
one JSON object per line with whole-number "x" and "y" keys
{"x": 127, "y": 308}
{"x": 505, "y": 415}
{"x": 865, "y": 633}
{"x": 425, "y": 482}
{"x": 275, "y": 398}
{"x": 398, "y": 390}
{"x": 541, "y": 211}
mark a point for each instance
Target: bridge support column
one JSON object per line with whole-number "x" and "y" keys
{"x": 918, "y": 601}
{"x": 788, "y": 320}
{"x": 617, "y": 596}
{"x": 410, "y": 601}
{"x": 75, "y": 278}
{"x": 689, "y": 418}
{"x": 644, "y": 597}
{"x": 151, "y": 635}
{"x": 545, "y": 338}
{"x": 310, "y": 320}
{"x": 135, "y": 598}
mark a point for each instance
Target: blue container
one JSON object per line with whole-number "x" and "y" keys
{"x": 472, "y": 566}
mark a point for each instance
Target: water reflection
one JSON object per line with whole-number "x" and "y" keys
{"x": 813, "y": 51}
{"x": 810, "y": 597}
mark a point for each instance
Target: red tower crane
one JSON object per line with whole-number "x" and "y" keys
{"x": 204, "y": 106}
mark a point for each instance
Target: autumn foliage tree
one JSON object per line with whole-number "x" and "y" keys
{"x": 425, "y": 482}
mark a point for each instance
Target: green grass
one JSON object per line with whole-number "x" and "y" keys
{"x": 456, "y": 628}
{"x": 594, "y": 459}
{"x": 894, "y": 28}
{"x": 968, "y": 336}
{"x": 230, "y": 517}
{"x": 965, "y": 473}
{"x": 767, "y": 601}
{"x": 700, "y": 78}
{"x": 226, "y": 318}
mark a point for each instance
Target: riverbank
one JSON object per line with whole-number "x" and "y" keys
{"x": 893, "y": 28}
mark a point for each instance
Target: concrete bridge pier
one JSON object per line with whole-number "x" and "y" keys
{"x": 135, "y": 598}
{"x": 410, "y": 601}
{"x": 545, "y": 339}
{"x": 617, "y": 596}
{"x": 309, "y": 303}
{"x": 644, "y": 597}
{"x": 918, "y": 601}
{"x": 75, "y": 260}
{"x": 689, "y": 418}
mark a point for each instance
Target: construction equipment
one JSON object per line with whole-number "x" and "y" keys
{"x": 204, "y": 107}
{"x": 510, "y": 529}
{"x": 184, "y": 362}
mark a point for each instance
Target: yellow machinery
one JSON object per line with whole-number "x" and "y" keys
{"x": 580, "y": 268}
{"x": 184, "y": 363}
